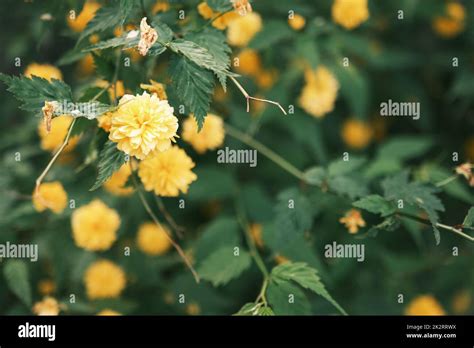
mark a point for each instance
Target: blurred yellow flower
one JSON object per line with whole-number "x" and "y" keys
{"x": 94, "y": 38}
{"x": 155, "y": 87}
{"x": 108, "y": 312}
{"x": 54, "y": 139}
{"x": 353, "y": 220}
{"x": 319, "y": 93}
{"x": 248, "y": 62}
{"x": 94, "y": 226}
{"x": 219, "y": 23}
{"x": 193, "y": 309}
{"x": 350, "y": 13}
{"x": 152, "y": 239}
{"x": 242, "y": 6}
{"x": 48, "y": 306}
{"x": 461, "y": 302}
{"x": 424, "y": 305}
{"x": 297, "y": 22}
{"x": 210, "y": 137}
{"x": 117, "y": 89}
{"x": 116, "y": 183}
{"x": 453, "y": 22}
{"x": 104, "y": 279}
{"x": 356, "y": 134}
{"x": 256, "y": 233}
{"x": 45, "y": 71}
{"x": 167, "y": 173}
{"x": 266, "y": 78}
{"x": 160, "y": 6}
{"x": 104, "y": 121}
{"x": 85, "y": 66}
{"x": 52, "y": 196}
{"x": 242, "y": 29}
{"x": 46, "y": 287}
{"x": 80, "y": 21}
{"x": 143, "y": 124}
{"x": 280, "y": 259}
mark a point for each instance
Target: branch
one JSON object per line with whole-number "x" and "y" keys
{"x": 177, "y": 229}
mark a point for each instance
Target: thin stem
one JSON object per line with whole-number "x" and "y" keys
{"x": 446, "y": 181}
{"x": 248, "y": 97}
{"x": 157, "y": 222}
{"x": 210, "y": 21}
{"x": 274, "y": 157}
{"x": 177, "y": 229}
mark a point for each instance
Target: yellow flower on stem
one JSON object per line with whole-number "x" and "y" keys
{"x": 104, "y": 279}
{"x": 152, "y": 239}
{"x": 356, "y": 134}
{"x": 424, "y": 305}
{"x": 50, "y": 195}
{"x": 242, "y": 29}
{"x": 353, "y": 220}
{"x": 350, "y": 13}
{"x": 297, "y": 22}
{"x": 210, "y": 137}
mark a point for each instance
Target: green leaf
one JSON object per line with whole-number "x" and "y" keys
{"x": 469, "y": 219}
{"x": 17, "y": 278}
{"x": 125, "y": 9}
{"x": 220, "y": 5}
{"x": 341, "y": 167}
{"x": 315, "y": 175}
{"x": 349, "y": 186}
{"x": 271, "y": 34}
{"x": 405, "y": 147}
{"x": 265, "y": 311}
{"x": 375, "y": 204}
{"x": 222, "y": 266}
{"x": 116, "y": 42}
{"x": 165, "y": 33}
{"x": 248, "y": 309}
{"x": 33, "y": 92}
{"x": 106, "y": 17}
{"x": 110, "y": 160}
{"x": 354, "y": 89}
{"x": 382, "y": 166}
{"x": 194, "y": 87}
{"x": 213, "y": 183}
{"x": 287, "y": 299}
{"x": 104, "y": 67}
{"x": 307, "y": 277}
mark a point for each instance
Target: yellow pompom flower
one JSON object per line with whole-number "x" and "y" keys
{"x": 210, "y": 137}
{"x": 350, "y": 13}
{"x": 152, "y": 239}
{"x": 48, "y": 306}
{"x": 116, "y": 183}
{"x": 453, "y": 22}
{"x": 108, "y": 312}
{"x": 249, "y": 62}
{"x": 319, "y": 93}
{"x": 104, "y": 279}
{"x": 94, "y": 226}
{"x": 50, "y": 195}
{"x": 45, "y": 71}
{"x": 242, "y": 29}
{"x": 297, "y": 22}
{"x": 219, "y": 23}
{"x": 356, "y": 134}
{"x": 105, "y": 121}
{"x": 167, "y": 173}
{"x": 424, "y": 305}
{"x": 78, "y": 23}
{"x": 143, "y": 124}
{"x": 54, "y": 139}
{"x": 353, "y": 220}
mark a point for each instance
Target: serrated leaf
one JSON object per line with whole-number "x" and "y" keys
{"x": 222, "y": 266}
{"x": 106, "y": 17}
{"x": 194, "y": 87}
{"x": 405, "y": 147}
{"x": 348, "y": 186}
{"x": 33, "y": 92}
{"x": 375, "y": 204}
{"x": 265, "y": 311}
{"x": 248, "y": 309}
{"x": 307, "y": 277}
{"x": 110, "y": 160}
{"x": 469, "y": 219}
{"x": 341, "y": 167}
{"x": 125, "y": 9}
{"x": 287, "y": 299}
{"x": 17, "y": 279}
{"x": 165, "y": 33}
{"x": 103, "y": 67}
{"x": 115, "y": 42}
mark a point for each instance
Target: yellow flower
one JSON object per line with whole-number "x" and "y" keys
{"x": 85, "y": 66}
{"x": 80, "y": 21}
{"x": 105, "y": 121}
{"x": 297, "y": 22}
{"x": 94, "y": 38}
{"x": 280, "y": 259}
{"x": 256, "y": 233}
{"x": 193, "y": 309}
{"x": 155, "y": 87}
{"x": 160, "y": 6}
{"x": 153, "y": 240}
{"x": 118, "y": 88}
{"x": 266, "y": 78}
{"x": 249, "y": 62}
{"x": 319, "y": 94}
{"x": 210, "y": 137}
{"x": 54, "y": 139}
{"x": 356, "y": 134}
{"x": 242, "y": 29}
{"x": 242, "y": 6}
{"x": 470, "y": 149}
{"x": 94, "y": 226}
{"x": 219, "y": 23}
{"x": 116, "y": 183}
{"x": 461, "y": 302}
{"x": 350, "y": 13}
{"x": 353, "y": 220}
{"x": 424, "y": 305}
{"x": 45, "y": 71}
{"x": 46, "y": 287}
{"x": 142, "y": 124}
{"x": 108, "y": 312}
{"x": 104, "y": 279}
{"x": 452, "y": 23}
{"x": 50, "y": 195}
{"x": 48, "y": 306}
{"x": 167, "y": 173}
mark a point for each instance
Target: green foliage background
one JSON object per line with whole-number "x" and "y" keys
{"x": 390, "y": 59}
